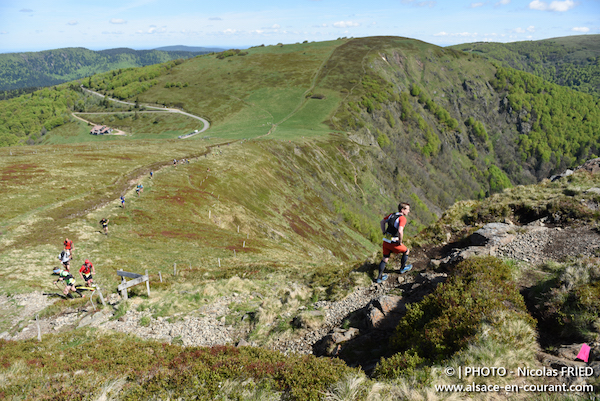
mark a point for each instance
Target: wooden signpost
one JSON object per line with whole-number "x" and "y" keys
{"x": 137, "y": 279}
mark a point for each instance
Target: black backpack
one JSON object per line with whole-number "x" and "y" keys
{"x": 390, "y": 229}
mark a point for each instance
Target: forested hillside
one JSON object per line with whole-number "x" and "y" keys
{"x": 572, "y": 61}
{"x": 51, "y": 67}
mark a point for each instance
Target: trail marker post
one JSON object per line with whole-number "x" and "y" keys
{"x": 137, "y": 279}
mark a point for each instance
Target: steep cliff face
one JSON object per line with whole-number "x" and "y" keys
{"x": 436, "y": 127}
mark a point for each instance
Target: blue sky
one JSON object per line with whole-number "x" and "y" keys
{"x": 34, "y": 25}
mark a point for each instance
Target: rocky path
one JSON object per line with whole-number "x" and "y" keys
{"x": 375, "y": 305}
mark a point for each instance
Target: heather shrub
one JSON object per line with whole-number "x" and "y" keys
{"x": 78, "y": 364}
{"x": 446, "y": 320}
{"x": 568, "y": 303}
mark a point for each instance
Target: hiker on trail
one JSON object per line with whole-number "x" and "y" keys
{"x": 139, "y": 188}
{"x": 104, "y": 223}
{"x": 392, "y": 227}
{"x": 151, "y": 174}
{"x": 175, "y": 162}
{"x": 69, "y": 246}
{"x": 65, "y": 258}
{"x": 122, "y": 201}
{"x": 86, "y": 270}
{"x": 65, "y": 275}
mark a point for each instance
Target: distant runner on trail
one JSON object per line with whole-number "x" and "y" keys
{"x": 139, "y": 188}
{"x": 151, "y": 174}
{"x": 86, "y": 270}
{"x": 104, "y": 223}
{"x": 65, "y": 258}
{"x": 392, "y": 227}
{"x": 69, "y": 246}
{"x": 122, "y": 201}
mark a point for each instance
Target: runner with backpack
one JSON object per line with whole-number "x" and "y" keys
{"x": 104, "y": 223}
{"x": 65, "y": 258}
{"x": 69, "y": 246}
{"x": 392, "y": 227}
{"x": 86, "y": 270}
{"x": 65, "y": 275}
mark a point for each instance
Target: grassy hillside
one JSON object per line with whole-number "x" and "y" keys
{"x": 445, "y": 125}
{"x": 572, "y": 61}
{"x": 309, "y": 146}
{"x": 263, "y": 217}
{"x": 52, "y": 67}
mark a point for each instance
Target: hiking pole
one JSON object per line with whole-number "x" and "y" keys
{"x": 60, "y": 290}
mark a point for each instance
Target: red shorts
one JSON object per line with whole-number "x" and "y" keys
{"x": 389, "y": 248}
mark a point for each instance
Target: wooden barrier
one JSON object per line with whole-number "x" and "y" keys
{"x": 137, "y": 279}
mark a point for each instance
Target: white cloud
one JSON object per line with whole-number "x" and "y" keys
{"x": 113, "y": 33}
{"x": 503, "y": 2}
{"x": 459, "y": 34}
{"x": 320, "y": 26}
{"x": 530, "y": 29}
{"x": 276, "y": 26}
{"x": 3, "y": 33}
{"x": 117, "y": 21}
{"x": 230, "y": 31}
{"x": 583, "y": 29}
{"x": 475, "y": 5}
{"x": 72, "y": 22}
{"x": 345, "y": 24}
{"x": 560, "y": 6}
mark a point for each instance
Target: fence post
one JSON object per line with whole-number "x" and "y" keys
{"x": 124, "y": 290}
{"x": 38, "y": 327}
{"x": 148, "y": 283}
{"x": 160, "y": 276}
{"x": 174, "y": 269}
{"x": 101, "y": 298}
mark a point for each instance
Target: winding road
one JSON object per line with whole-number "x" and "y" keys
{"x": 205, "y": 123}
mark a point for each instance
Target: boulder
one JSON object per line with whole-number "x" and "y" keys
{"x": 493, "y": 234}
{"x": 385, "y": 311}
{"x": 344, "y": 335}
{"x": 390, "y": 303}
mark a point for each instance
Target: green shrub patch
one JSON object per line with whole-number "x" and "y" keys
{"x": 445, "y": 321}
{"x": 81, "y": 364}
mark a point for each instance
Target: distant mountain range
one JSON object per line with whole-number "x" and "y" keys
{"x": 194, "y": 49}
{"x": 51, "y": 67}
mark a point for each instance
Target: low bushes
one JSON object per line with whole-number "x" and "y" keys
{"x": 568, "y": 303}
{"x": 445, "y": 321}
{"x": 78, "y": 364}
